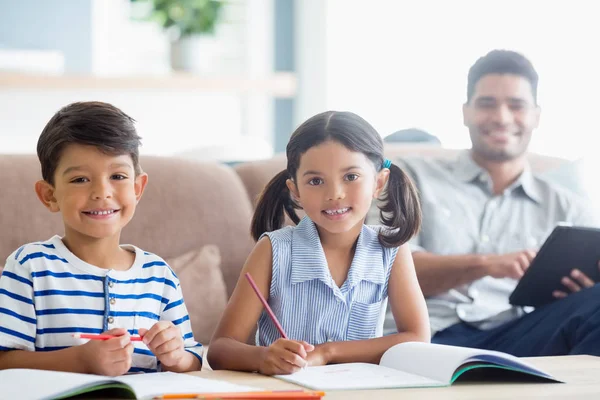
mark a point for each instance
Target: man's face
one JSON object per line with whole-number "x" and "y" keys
{"x": 501, "y": 116}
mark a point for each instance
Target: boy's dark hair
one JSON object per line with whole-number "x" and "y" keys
{"x": 401, "y": 211}
{"x": 93, "y": 123}
{"x": 502, "y": 62}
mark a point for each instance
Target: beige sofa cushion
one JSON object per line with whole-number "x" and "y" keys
{"x": 23, "y": 219}
{"x": 257, "y": 174}
{"x": 189, "y": 204}
{"x": 203, "y": 288}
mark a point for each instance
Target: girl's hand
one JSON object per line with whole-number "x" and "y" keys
{"x": 284, "y": 357}
{"x": 165, "y": 341}
{"x": 319, "y": 356}
{"x": 110, "y": 357}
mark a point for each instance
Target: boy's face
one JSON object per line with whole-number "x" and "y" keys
{"x": 96, "y": 193}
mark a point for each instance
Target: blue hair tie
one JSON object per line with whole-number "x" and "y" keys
{"x": 387, "y": 163}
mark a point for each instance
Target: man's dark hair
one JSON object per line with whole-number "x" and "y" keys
{"x": 502, "y": 62}
{"x": 94, "y": 123}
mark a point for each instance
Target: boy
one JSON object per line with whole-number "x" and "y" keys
{"x": 86, "y": 282}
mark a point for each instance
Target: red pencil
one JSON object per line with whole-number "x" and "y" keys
{"x": 103, "y": 337}
{"x": 267, "y": 308}
{"x": 274, "y": 395}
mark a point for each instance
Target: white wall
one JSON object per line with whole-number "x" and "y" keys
{"x": 170, "y": 121}
{"x": 404, "y": 64}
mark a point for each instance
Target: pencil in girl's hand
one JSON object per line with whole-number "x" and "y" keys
{"x": 102, "y": 337}
{"x": 267, "y": 308}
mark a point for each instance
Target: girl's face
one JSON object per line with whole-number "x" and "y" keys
{"x": 335, "y": 186}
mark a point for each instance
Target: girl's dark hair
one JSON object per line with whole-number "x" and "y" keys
{"x": 400, "y": 211}
{"x": 92, "y": 123}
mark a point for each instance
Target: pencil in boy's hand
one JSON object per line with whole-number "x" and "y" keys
{"x": 267, "y": 308}
{"x": 102, "y": 337}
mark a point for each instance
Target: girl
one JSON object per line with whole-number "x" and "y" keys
{"x": 328, "y": 278}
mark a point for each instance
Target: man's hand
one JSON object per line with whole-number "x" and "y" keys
{"x": 511, "y": 265}
{"x": 577, "y": 281}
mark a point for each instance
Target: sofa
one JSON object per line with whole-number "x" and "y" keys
{"x": 196, "y": 215}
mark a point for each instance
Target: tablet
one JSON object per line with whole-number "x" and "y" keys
{"x": 566, "y": 248}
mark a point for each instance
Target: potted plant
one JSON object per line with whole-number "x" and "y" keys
{"x": 191, "y": 26}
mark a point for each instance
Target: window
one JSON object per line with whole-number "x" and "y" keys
{"x": 404, "y": 64}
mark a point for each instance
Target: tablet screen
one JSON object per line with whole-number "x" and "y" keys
{"x": 566, "y": 248}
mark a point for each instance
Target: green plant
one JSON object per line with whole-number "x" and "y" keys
{"x": 187, "y": 17}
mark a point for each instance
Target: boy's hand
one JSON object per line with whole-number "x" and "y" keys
{"x": 110, "y": 357}
{"x": 284, "y": 357}
{"x": 165, "y": 341}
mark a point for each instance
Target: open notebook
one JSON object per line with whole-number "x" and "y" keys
{"x": 30, "y": 384}
{"x": 419, "y": 365}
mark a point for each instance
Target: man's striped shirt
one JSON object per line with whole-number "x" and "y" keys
{"x": 47, "y": 294}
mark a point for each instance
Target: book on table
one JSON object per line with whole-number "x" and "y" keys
{"x": 415, "y": 364}
{"x": 31, "y": 384}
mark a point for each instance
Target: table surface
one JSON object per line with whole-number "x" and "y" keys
{"x": 581, "y": 374}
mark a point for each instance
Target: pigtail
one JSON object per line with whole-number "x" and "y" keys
{"x": 401, "y": 209}
{"x": 273, "y": 201}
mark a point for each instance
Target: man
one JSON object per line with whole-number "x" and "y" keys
{"x": 484, "y": 216}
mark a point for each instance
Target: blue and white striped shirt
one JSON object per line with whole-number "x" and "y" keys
{"x": 47, "y": 294}
{"x": 307, "y": 301}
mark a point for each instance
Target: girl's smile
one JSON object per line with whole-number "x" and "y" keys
{"x": 337, "y": 214}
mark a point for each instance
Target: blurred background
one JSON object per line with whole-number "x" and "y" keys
{"x": 230, "y": 80}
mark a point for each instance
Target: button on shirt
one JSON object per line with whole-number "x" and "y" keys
{"x": 462, "y": 215}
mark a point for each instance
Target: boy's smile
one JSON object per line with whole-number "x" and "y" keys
{"x": 101, "y": 213}
{"x": 96, "y": 193}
